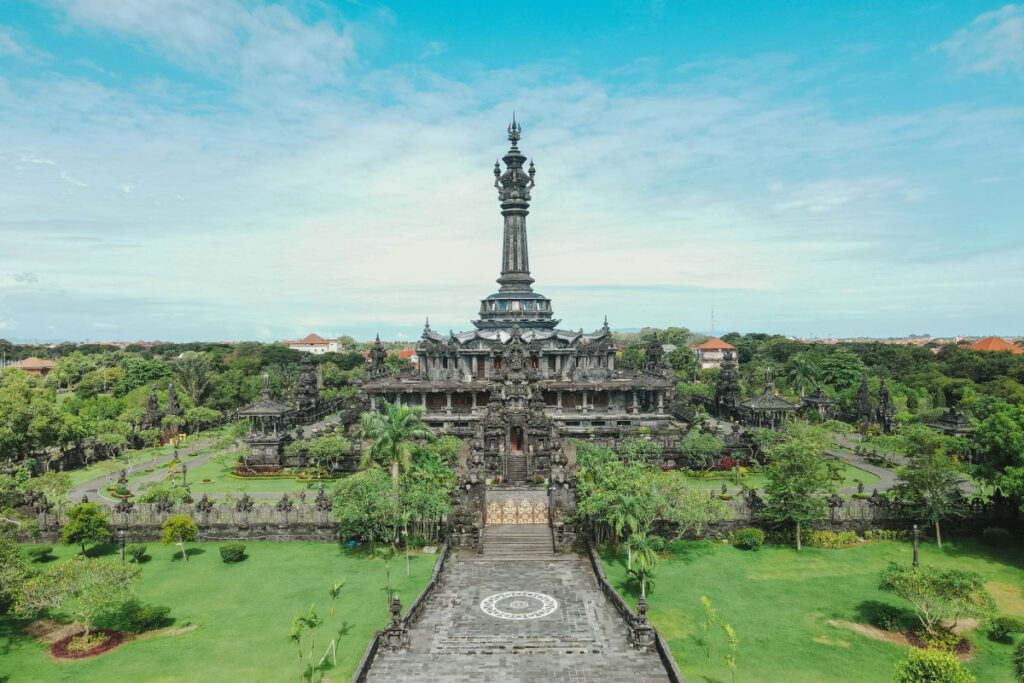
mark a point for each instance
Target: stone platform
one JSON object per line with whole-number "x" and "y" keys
{"x": 520, "y": 637}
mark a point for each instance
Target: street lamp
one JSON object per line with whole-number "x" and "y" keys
{"x": 917, "y": 538}
{"x": 120, "y": 535}
{"x": 184, "y": 472}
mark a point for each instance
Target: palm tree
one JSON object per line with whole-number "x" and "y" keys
{"x": 645, "y": 557}
{"x": 622, "y": 517}
{"x": 392, "y": 434}
{"x": 803, "y": 374}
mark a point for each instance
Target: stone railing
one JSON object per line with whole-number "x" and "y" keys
{"x": 642, "y": 635}
{"x": 396, "y": 635}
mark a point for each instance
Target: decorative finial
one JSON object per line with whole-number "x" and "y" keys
{"x": 426, "y": 328}
{"x": 605, "y": 326}
{"x": 514, "y": 130}
{"x": 378, "y": 337}
{"x": 266, "y": 387}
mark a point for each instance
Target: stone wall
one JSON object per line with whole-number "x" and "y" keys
{"x": 241, "y": 520}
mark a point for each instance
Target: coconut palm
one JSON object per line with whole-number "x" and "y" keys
{"x": 803, "y": 374}
{"x": 645, "y": 549}
{"x": 392, "y": 435}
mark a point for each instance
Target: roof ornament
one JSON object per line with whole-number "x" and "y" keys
{"x": 514, "y": 130}
{"x": 426, "y": 327}
{"x": 266, "y": 387}
{"x": 605, "y": 328}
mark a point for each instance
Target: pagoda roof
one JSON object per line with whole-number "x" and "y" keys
{"x": 952, "y": 421}
{"x": 266, "y": 407}
{"x": 995, "y": 344}
{"x": 527, "y": 335}
{"x": 820, "y": 398}
{"x": 714, "y": 344}
{"x": 768, "y": 401}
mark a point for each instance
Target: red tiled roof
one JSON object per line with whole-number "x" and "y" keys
{"x": 713, "y": 343}
{"x": 313, "y": 338}
{"x": 33, "y": 363}
{"x": 995, "y": 344}
{"x": 407, "y": 353}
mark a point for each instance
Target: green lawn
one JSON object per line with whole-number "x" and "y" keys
{"x": 243, "y": 612}
{"x": 98, "y": 469}
{"x": 758, "y": 481}
{"x": 221, "y": 483}
{"x": 779, "y": 601}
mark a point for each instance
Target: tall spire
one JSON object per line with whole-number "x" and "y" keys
{"x": 514, "y": 187}
{"x": 515, "y": 303}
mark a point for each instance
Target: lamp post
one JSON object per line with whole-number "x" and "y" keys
{"x": 120, "y": 536}
{"x": 917, "y": 538}
{"x": 184, "y": 472}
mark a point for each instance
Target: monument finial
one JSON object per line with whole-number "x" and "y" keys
{"x": 266, "y": 387}
{"x": 426, "y": 327}
{"x": 514, "y": 130}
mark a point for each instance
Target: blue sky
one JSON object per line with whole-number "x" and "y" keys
{"x": 208, "y": 169}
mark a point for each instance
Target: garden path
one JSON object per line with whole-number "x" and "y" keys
{"x": 94, "y": 487}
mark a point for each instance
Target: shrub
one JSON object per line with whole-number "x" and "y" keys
{"x": 886, "y": 535}
{"x": 889, "y": 618}
{"x": 751, "y": 539}
{"x": 923, "y": 666}
{"x": 996, "y": 537}
{"x": 940, "y": 640}
{"x": 232, "y": 552}
{"x": 136, "y": 551}
{"x": 1018, "y": 662}
{"x": 41, "y": 554}
{"x": 1000, "y": 627}
{"x": 831, "y": 539}
{"x": 135, "y": 617}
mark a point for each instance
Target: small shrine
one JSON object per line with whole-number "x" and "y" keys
{"x": 269, "y": 421}
{"x": 822, "y": 402}
{"x": 768, "y": 409}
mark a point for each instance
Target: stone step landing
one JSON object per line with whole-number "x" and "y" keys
{"x": 518, "y": 541}
{"x": 506, "y": 645}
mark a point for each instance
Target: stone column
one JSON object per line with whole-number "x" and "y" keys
{"x": 373, "y": 403}
{"x": 584, "y": 406}
{"x": 423, "y": 399}
{"x": 661, "y": 402}
{"x": 474, "y": 400}
{"x": 448, "y": 402}
{"x": 558, "y": 395}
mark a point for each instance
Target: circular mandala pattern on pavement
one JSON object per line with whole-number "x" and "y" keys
{"x": 518, "y": 605}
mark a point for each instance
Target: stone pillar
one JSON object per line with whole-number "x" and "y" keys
{"x": 584, "y": 405}
{"x": 373, "y": 403}
{"x": 448, "y": 402}
{"x": 474, "y": 400}
{"x": 423, "y": 400}
{"x": 661, "y": 402}
{"x": 558, "y": 395}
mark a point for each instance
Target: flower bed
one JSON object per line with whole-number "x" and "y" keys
{"x": 61, "y": 647}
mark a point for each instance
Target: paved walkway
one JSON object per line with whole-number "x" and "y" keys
{"x": 582, "y": 639}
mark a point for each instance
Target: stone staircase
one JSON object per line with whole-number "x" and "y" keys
{"x": 517, "y": 541}
{"x": 517, "y": 468}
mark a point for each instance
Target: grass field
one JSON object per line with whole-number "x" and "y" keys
{"x": 98, "y": 469}
{"x": 757, "y": 480}
{"x": 243, "y": 613}
{"x": 779, "y": 601}
{"x": 221, "y": 483}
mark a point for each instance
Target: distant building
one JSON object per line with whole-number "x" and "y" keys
{"x": 411, "y": 355}
{"x": 35, "y": 366}
{"x": 711, "y": 353}
{"x": 313, "y": 343}
{"x": 995, "y": 344}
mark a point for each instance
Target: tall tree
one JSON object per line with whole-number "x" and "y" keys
{"x": 796, "y": 477}
{"x": 194, "y": 374}
{"x": 929, "y": 483}
{"x": 803, "y": 374}
{"x": 179, "y": 530}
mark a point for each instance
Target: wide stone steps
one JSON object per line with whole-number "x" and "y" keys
{"x": 517, "y": 541}
{"x": 489, "y": 645}
{"x": 517, "y": 469}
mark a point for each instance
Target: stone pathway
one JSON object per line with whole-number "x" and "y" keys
{"x": 582, "y": 639}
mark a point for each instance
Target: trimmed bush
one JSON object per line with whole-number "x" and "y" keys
{"x": 232, "y": 552}
{"x": 135, "y": 551}
{"x": 751, "y": 539}
{"x": 135, "y": 617}
{"x": 1000, "y": 627}
{"x": 886, "y": 535}
{"x": 831, "y": 539}
{"x": 996, "y": 537}
{"x": 43, "y": 554}
{"x": 923, "y": 666}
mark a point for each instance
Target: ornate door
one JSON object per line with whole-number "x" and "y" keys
{"x": 540, "y": 513}
{"x": 493, "y": 513}
{"x": 525, "y": 511}
{"x": 508, "y": 513}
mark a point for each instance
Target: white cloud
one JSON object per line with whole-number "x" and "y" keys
{"x": 433, "y": 48}
{"x": 225, "y": 38}
{"x": 993, "y": 42}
